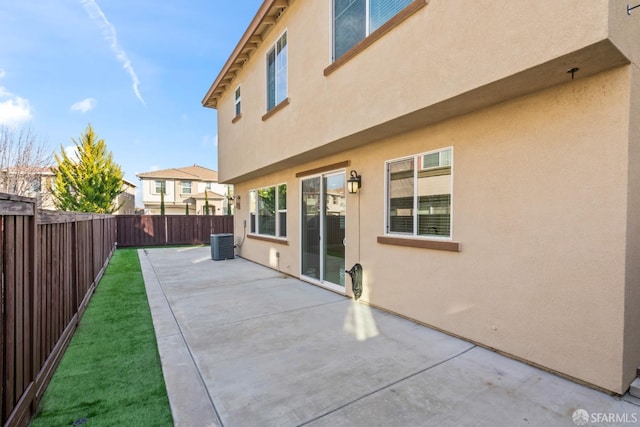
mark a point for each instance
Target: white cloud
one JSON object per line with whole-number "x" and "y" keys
{"x": 71, "y": 152}
{"x": 208, "y": 142}
{"x": 110, "y": 35}
{"x": 85, "y": 105}
{"x": 14, "y": 110}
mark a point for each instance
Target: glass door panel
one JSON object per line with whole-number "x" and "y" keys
{"x": 310, "y": 227}
{"x": 333, "y": 222}
{"x": 323, "y": 228}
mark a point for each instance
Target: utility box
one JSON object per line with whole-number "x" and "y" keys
{"x": 222, "y": 247}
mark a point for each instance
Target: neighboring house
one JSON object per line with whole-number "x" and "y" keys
{"x": 182, "y": 187}
{"x": 37, "y": 181}
{"x": 126, "y": 201}
{"x": 499, "y": 149}
{"x": 30, "y": 181}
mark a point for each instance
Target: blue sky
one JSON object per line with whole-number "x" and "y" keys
{"x": 136, "y": 70}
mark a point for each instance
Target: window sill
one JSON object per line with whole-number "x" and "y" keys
{"x": 405, "y": 13}
{"x": 236, "y": 118}
{"x": 280, "y": 241}
{"x": 441, "y": 245}
{"x": 275, "y": 109}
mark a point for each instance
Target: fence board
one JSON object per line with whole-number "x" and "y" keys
{"x": 2, "y": 322}
{"x": 50, "y": 265}
{"x": 157, "y": 230}
{"x": 49, "y": 269}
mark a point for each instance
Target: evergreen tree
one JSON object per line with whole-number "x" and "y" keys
{"x": 89, "y": 183}
{"x": 162, "y": 201}
{"x": 206, "y": 203}
{"x": 186, "y": 208}
{"x": 229, "y": 200}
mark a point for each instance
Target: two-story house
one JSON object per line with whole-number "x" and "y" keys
{"x": 36, "y": 182}
{"x": 126, "y": 200}
{"x": 195, "y": 187}
{"x": 493, "y": 152}
{"x": 29, "y": 181}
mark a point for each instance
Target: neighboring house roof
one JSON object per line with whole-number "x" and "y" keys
{"x": 267, "y": 16}
{"x": 129, "y": 183}
{"x": 210, "y": 195}
{"x": 47, "y": 170}
{"x": 194, "y": 173}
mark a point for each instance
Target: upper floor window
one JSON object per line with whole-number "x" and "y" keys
{"x": 277, "y": 73}
{"x": 268, "y": 211}
{"x": 238, "y": 102}
{"x": 353, "y": 20}
{"x": 419, "y": 190}
{"x": 186, "y": 187}
{"x": 160, "y": 187}
{"x": 207, "y": 186}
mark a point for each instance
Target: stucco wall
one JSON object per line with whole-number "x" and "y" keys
{"x": 446, "y": 49}
{"x": 540, "y": 209}
{"x": 632, "y": 295}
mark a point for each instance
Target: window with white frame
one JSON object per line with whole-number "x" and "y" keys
{"x": 238, "y": 101}
{"x": 160, "y": 187}
{"x": 419, "y": 190}
{"x": 353, "y": 20}
{"x": 208, "y": 186}
{"x": 277, "y": 73}
{"x": 268, "y": 211}
{"x": 186, "y": 187}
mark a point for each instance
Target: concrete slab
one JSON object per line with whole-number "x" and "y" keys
{"x": 250, "y": 346}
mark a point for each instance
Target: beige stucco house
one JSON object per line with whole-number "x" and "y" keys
{"x": 498, "y": 145}
{"x": 36, "y": 182}
{"x": 29, "y": 181}
{"x": 182, "y": 187}
{"x": 126, "y": 200}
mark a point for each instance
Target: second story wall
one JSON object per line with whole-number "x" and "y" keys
{"x": 150, "y": 195}
{"x": 446, "y": 58}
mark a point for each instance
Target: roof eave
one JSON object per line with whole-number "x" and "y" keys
{"x": 249, "y": 42}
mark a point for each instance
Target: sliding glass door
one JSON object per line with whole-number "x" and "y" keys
{"x": 323, "y": 229}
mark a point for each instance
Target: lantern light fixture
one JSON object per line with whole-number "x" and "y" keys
{"x": 354, "y": 182}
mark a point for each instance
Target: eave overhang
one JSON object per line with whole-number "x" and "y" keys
{"x": 268, "y": 14}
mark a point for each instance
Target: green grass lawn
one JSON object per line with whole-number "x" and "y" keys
{"x": 111, "y": 374}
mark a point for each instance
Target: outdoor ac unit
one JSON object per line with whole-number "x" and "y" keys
{"x": 221, "y": 247}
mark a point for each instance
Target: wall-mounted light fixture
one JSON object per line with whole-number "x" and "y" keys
{"x": 354, "y": 182}
{"x": 238, "y": 201}
{"x": 630, "y": 8}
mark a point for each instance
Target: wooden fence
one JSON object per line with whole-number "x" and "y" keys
{"x": 155, "y": 230}
{"x": 49, "y": 267}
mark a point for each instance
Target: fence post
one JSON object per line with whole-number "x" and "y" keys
{"x": 34, "y": 331}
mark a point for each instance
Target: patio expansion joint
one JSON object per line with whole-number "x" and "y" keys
{"x": 263, "y": 316}
{"x": 184, "y": 340}
{"x": 371, "y": 393}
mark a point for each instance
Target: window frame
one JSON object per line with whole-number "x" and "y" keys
{"x": 417, "y": 159}
{"x": 280, "y": 230}
{"x": 277, "y": 100}
{"x": 182, "y": 187}
{"x": 367, "y": 26}
{"x": 237, "y": 96}
{"x": 399, "y": 18}
{"x": 163, "y": 186}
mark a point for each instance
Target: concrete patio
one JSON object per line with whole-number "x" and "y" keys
{"x": 244, "y": 345}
